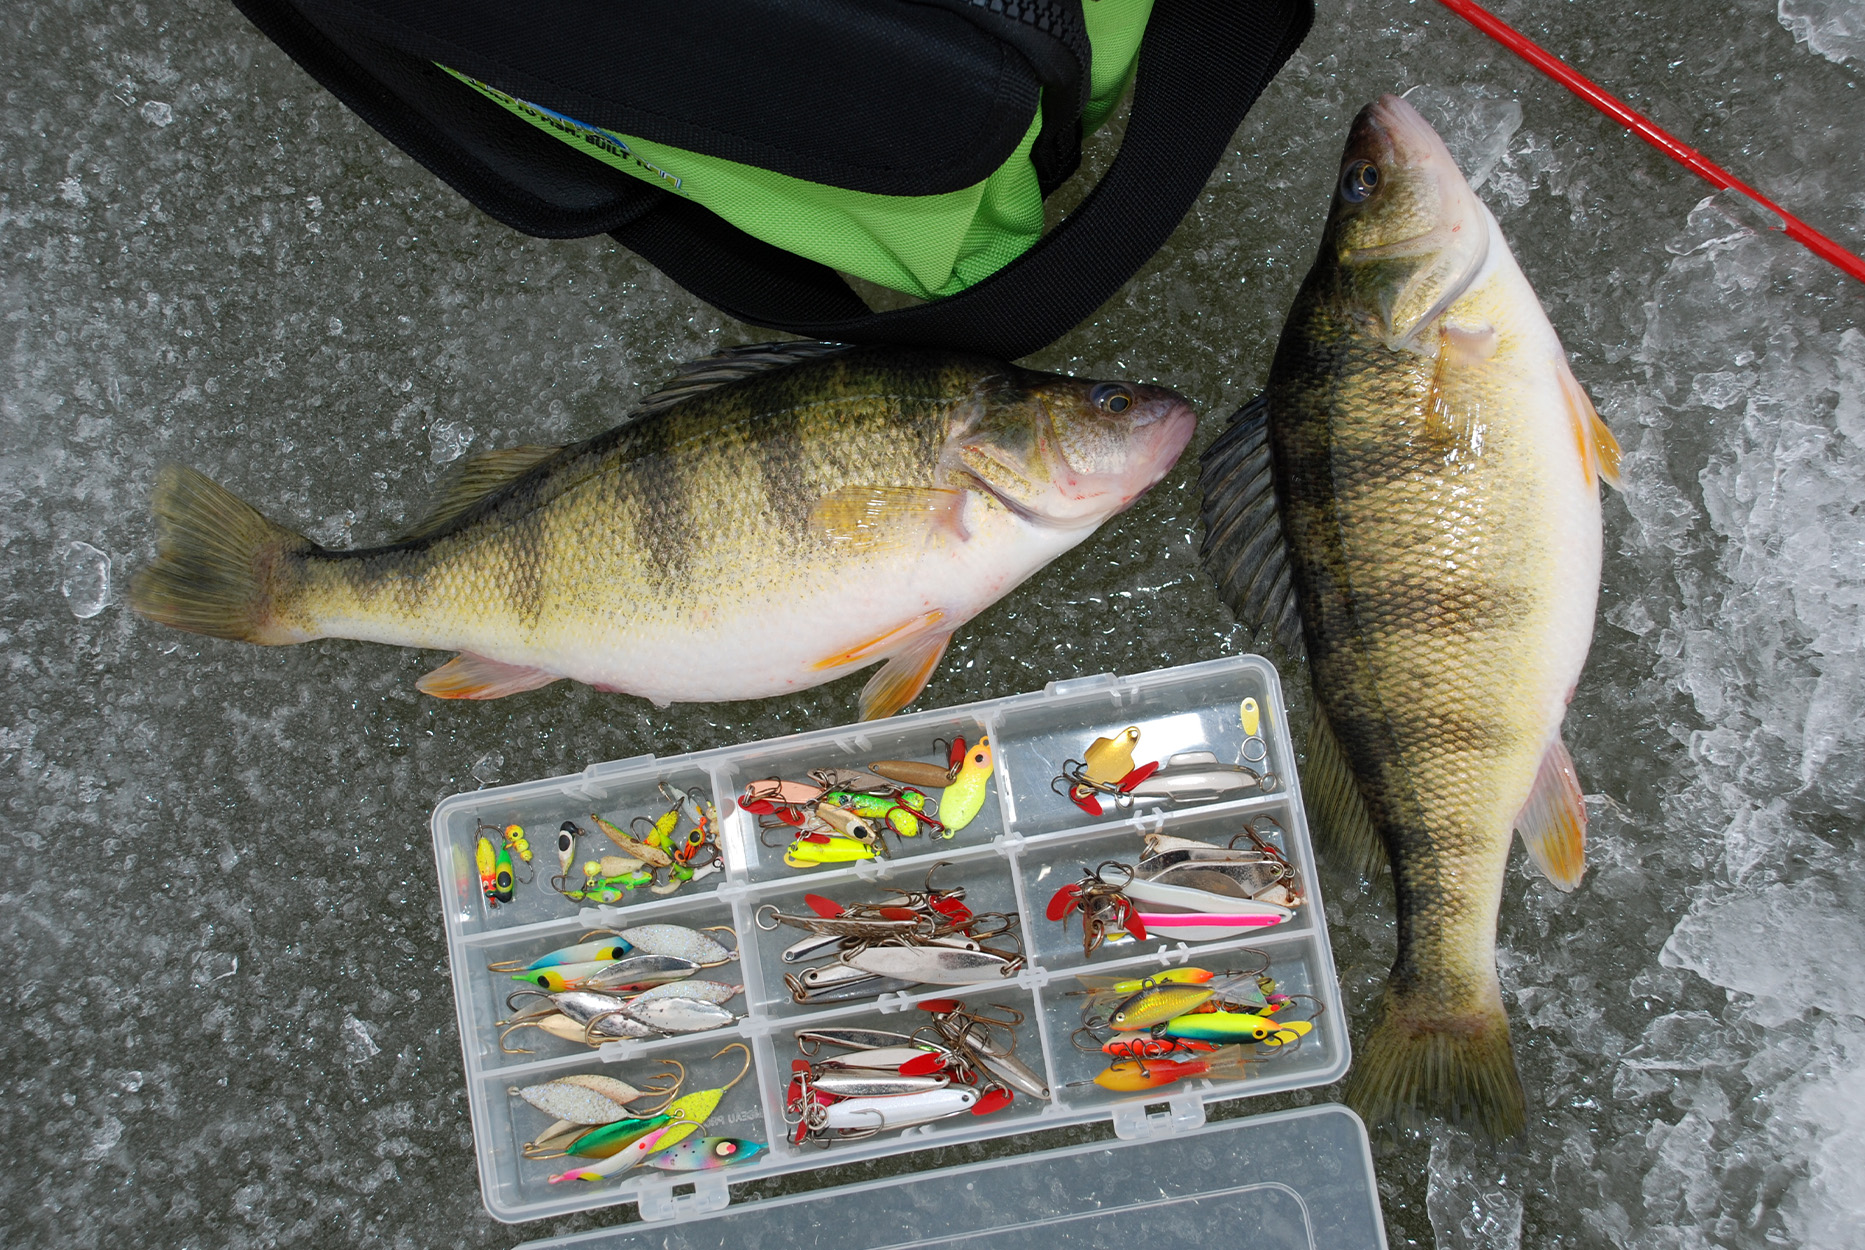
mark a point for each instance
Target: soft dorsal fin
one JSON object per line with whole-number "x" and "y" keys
{"x": 478, "y": 476}
{"x": 1599, "y": 450}
{"x": 1243, "y": 544}
{"x": 731, "y": 365}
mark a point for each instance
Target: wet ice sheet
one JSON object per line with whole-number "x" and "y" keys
{"x": 232, "y": 1025}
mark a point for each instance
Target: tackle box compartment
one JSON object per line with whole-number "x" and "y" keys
{"x": 1028, "y": 841}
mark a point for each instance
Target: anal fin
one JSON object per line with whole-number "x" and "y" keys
{"x": 900, "y": 680}
{"x": 469, "y": 676}
{"x": 1553, "y": 823}
{"x": 1335, "y": 803}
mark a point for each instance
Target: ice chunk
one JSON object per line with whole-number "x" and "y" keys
{"x": 156, "y": 113}
{"x": 1833, "y": 28}
{"x": 1470, "y": 1206}
{"x": 1476, "y": 129}
{"x": 1796, "y": 948}
{"x": 358, "y": 1045}
{"x": 86, "y": 579}
{"x": 448, "y": 440}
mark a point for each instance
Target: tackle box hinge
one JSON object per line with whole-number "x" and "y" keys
{"x": 1078, "y": 685}
{"x": 1184, "y": 1113}
{"x": 710, "y": 1193}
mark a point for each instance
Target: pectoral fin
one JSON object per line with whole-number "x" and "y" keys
{"x": 901, "y": 679}
{"x": 1553, "y": 823}
{"x": 893, "y": 519}
{"x": 469, "y": 676}
{"x": 1599, "y": 450}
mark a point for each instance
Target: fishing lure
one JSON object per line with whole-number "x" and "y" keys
{"x": 1234, "y": 1026}
{"x": 516, "y": 843}
{"x": 583, "y": 952}
{"x": 650, "y": 855}
{"x": 1255, "y": 750}
{"x": 1156, "y": 1004}
{"x": 680, "y": 941}
{"x": 814, "y": 852}
{"x": 964, "y": 797}
{"x": 935, "y": 965}
{"x": 1132, "y": 1075}
{"x": 914, "y": 773}
{"x": 1133, "y": 985}
{"x": 1205, "y": 926}
{"x": 1198, "y": 777}
{"x": 629, "y": 1156}
{"x": 1107, "y": 760}
{"x": 567, "y": 835}
{"x": 702, "y": 1154}
{"x": 595, "y": 1099}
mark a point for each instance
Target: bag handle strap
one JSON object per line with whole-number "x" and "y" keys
{"x": 1202, "y": 64}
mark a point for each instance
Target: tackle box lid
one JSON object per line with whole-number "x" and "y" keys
{"x": 1287, "y": 1180}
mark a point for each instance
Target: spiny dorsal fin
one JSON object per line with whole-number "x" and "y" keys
{"x": 1243, "y": 544}
{"x": 731, "y": 365}
{"x": 1335, "y": 806}
{"x": 478, "y": 476}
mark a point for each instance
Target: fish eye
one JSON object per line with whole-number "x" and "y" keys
{"x": 1111, "y": 397}
{"x": 1360, "y": 180}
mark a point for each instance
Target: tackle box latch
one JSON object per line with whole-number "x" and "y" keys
{"x": 710, "y": 1193}
{"x": 1184, "y": 1113}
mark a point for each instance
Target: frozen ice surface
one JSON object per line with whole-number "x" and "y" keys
{"x": 1833, "y": 28}
{"x": 220, "y": 895}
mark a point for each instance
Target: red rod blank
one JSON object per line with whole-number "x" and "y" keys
{"x": 1648, "y": 130}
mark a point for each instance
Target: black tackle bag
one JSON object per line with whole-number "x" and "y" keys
{"x": 751, "y": 149}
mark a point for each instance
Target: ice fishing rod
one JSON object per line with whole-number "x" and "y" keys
{"x": 1514, "y": 40}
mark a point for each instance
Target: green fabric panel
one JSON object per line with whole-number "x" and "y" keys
{"x": 924, "y": 245}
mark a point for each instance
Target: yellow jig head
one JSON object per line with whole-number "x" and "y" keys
{"x": 963, "y": 799}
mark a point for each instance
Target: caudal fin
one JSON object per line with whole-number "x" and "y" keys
{"x": 1421, "y": 1058}
{"x": 216, "y": 560}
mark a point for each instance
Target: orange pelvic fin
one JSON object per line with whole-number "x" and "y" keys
{"x": 469, "y": 676}
{"x": 1553, "y": 823}
{"x": 901, "y": 679}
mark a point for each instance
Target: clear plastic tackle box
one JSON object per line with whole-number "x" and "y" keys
{"x": 1029, "y": 840}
